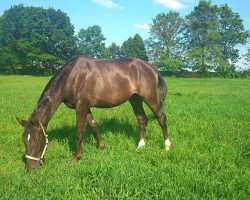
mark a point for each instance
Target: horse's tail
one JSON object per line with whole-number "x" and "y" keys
{"x": 162, "y": 93}
{"x": 161, "y": 96}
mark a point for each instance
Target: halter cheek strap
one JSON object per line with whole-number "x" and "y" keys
{"x": 44, "y": 149}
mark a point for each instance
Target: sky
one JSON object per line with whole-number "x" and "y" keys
{"x": 121, "y": 19}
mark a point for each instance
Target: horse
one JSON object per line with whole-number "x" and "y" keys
{"x": 86, "y": 82}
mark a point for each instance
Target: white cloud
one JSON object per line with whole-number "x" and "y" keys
{"x": 106, "y": 3}
{"x": 142, "y": 26}
{"x": 175, "y": 4}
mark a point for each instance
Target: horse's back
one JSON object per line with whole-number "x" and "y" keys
{"x": 125, "y": 65}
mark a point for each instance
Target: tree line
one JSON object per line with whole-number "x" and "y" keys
{"x": 38, "y": 40}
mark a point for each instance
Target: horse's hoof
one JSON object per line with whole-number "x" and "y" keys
{"x": 75, "y": 159}
{"x": 102, "y": 146}
{"x": 167, "y": 148}
{"x": 141, "y": 144}
{"x": 167, "y": 144}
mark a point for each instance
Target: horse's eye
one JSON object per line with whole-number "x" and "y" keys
{"x": 38, "y": 140}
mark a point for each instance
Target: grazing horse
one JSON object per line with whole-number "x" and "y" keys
{"x": 85, "y": 82}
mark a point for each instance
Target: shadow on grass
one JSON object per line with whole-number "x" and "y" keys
{"x": 106, "y": 126}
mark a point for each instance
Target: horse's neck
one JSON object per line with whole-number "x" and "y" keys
{"x": 46, "y": 106}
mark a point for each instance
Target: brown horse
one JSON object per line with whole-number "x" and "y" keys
{"x": 86, "y": 82}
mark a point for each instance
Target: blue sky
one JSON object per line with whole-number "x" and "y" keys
{"x": 121, "y": 19}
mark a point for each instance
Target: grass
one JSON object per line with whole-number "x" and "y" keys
{"x": 209, "y": 125}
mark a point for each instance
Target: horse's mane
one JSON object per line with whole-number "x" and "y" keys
{"x": 55, "y": 82}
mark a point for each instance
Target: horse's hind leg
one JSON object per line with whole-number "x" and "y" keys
{"x": 162, "y": 120}
{"x": 93, "y": 126}
{"x": 136, "y": 103}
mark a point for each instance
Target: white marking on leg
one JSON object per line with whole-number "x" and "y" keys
{"x": 28, "y": 138}
{"x": 141, "y": 143}
{"x": 167, "y": 144}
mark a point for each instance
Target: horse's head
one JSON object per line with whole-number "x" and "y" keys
{"x": 35, "y": 141}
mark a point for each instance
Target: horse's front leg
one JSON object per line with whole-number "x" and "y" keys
{"x": 81, "y": 117}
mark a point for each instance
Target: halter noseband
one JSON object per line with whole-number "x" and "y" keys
{"x": 44, "y": 149}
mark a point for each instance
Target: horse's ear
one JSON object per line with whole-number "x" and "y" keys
{"x": 22, "y": 122}
{"x": 35, "y": 122}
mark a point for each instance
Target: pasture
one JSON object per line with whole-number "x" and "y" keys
{"x": 209, "y": 126}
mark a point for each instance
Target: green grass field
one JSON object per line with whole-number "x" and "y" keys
{"x": 209, "y": 126}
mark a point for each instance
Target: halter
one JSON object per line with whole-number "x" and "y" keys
{"x": 45, "y": 147}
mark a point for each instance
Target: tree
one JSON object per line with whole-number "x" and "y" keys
{"x": 232, "y": 34}
{"x": 247, "y": 55}
{"x": 114, "y": 51}
{"x": 35, "y": 38}
{"x": 165, "y": 43}
{"x": 8, "y": 60}
{"x": 203, "y": 39}
{"x": 90, "y": 42}
{"x": 134, "y": 47}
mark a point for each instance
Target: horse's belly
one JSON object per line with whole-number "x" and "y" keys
{"x": 112, "y": 101}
